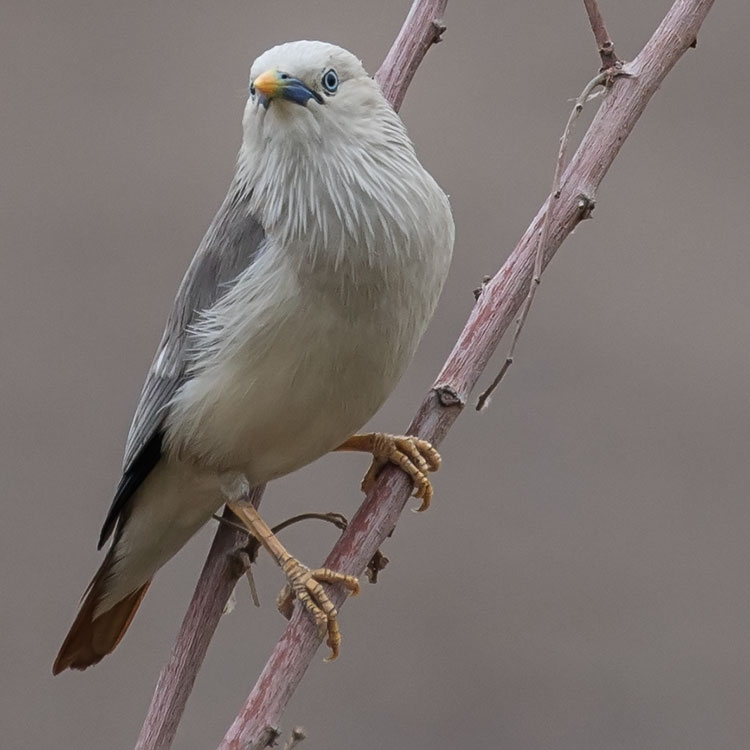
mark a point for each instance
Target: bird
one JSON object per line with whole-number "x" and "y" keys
{"x": 296, "y": 318}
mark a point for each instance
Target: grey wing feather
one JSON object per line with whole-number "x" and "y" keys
{"x": 231, "y": 244}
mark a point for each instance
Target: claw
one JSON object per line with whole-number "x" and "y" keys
{"x": 305, "y": 586}
{"x": 412, "y": 455}
{"x": 302, "y": 583}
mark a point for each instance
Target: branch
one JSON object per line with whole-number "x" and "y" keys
{"x": 496, "y": 307}
{"x": 215, "y": 585}
{"x": 603, "y": 42}
{"x": 586, "y": 206}
{"x": 611, "y": 68}
{"x": 422, "y": 28}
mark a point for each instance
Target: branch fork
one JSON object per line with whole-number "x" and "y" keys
{"x": 497, "y": 306}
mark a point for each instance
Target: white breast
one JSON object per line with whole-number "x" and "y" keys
{"x": 312, "y": 338}
{"x": 296, "y": 361}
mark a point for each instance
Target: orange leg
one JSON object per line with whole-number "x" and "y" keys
{"x": 302, "y": 583}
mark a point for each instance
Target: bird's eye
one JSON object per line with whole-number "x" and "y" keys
{"x": 330, "y": 81}
{"x": 252, "y": 89}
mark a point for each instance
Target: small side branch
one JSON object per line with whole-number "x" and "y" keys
{"x": 587, "y": 203}
{"x": 496, "y": 308}
{"x": 605, "y": 45}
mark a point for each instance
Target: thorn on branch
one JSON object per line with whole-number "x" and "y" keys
{"x": 478, "y": 291}
{"x": 438, "y": 29}
{"x": 586, "y": 206}
{"x": 269, "y": 736}
{"x": 298, "y": 734}
{"x": 448, "y": 396}
{"x": 376, "y": 564}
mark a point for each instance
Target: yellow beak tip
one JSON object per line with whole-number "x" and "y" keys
{"x": 267, "y": 83}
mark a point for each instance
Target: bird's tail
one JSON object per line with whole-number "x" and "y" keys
{"x": 94, "y": 635}
{"x": 168, "y": 508}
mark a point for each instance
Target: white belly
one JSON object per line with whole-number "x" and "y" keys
{"x": 305, "y": 372}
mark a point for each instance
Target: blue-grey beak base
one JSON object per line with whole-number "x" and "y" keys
{"x": 295, "y": 91}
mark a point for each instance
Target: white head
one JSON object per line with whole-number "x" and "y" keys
{"x": 327, "y": 157}
{"x": 305, "y": 87}
{"x": 300, "y": 71}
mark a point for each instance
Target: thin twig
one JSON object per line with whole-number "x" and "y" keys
{"x": 376, "y": 564}
{"x": 601, "y": 79}
{"x": 244, "y": 565}
{"x": 247, "y": 556}
{"x": 337, "y": 519}
{"x": 603, "y": 42}
{"x": 490, "y": 318}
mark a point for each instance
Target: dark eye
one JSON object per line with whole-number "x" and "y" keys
{"x": 252, "y": 89}
{"x": 330, "y": 81}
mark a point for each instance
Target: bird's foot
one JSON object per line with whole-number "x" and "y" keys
{"x": 411, "y": 454}
{"x": 305, "y": 586}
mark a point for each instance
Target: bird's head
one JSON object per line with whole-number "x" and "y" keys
{"x": 306, "y": 88}
{"x": 321, "y": 141}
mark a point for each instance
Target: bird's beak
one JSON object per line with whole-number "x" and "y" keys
{"x": 273, "y": 84}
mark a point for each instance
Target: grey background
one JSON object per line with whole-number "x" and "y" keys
{"x": 582, "y": 578}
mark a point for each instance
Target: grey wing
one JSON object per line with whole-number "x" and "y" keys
{"x": 232, "y": 243}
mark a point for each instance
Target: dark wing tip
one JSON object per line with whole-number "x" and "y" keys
{"x": 131, "y": 480}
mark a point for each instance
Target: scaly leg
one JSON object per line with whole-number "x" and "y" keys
{"x": 416, "y": 457}
{"x": 305, "y": 584}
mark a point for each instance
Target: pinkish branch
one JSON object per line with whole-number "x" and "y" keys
{"x": 422, "y": 28}
{"x": 215, "y": 585}
{"x": 496, "y": 307}
{"x": 603, "y": 42}
{"x": 602, "y": 79}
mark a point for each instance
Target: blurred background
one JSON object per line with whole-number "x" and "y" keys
{"x": 581, "y": 580}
